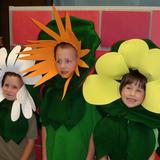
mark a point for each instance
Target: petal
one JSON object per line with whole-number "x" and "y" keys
{"x": 26, "y": 102}
{"x": 1, "y": 95}
{"x": 111, "y": 64}
{"x": 15, "y": 112}
{"x": 3, "y": 55}
{"x": 27, "y": 110}
{"x": 100, "y": 90}
{"x": 13, "y": 56}
{"x": 21, "y": 65}
{"x": 31, "y": 80}
{"x": 150, "y": 65}
{"x": 133, "y": 50}
{"x": 151, "y": 101}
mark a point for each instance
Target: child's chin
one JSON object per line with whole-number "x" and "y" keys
{"x": 10, "y": 98}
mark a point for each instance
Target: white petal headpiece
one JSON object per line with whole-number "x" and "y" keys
{"x": 11, "y": 63}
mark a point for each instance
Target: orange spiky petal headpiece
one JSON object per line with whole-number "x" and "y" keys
{"x": 43, "y": 51}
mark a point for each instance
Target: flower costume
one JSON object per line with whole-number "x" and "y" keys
{"x": 16, "y": 119}
{"x": 125, "y": 133}
{"x": 68, "y": 119}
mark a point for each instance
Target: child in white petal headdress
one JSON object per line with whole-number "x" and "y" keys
{"x": 18, "y": 128}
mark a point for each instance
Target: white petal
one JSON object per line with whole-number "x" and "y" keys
{"x": 24, "y": 64}
{"x": 3, "y": 55}
{"x": 13, "y": 56}
{"x": 32, "y": 80}
{"x": 15, "y": 112}
{"x": 26, "y": 102}
{"x": 27, "y": 110}
{"x": 1, "y": 95}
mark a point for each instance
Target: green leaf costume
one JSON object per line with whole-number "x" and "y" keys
{"x": 10, "y": 130}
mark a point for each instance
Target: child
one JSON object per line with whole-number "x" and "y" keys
{"x": 67, "y": 120}
{"x": 18, "y": 131}
{"x": 126, "y": 130}
{"x": 66, "y": 59}
{"x": 125, "y": 137}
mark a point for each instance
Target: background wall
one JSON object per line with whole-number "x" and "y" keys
{"x": 107, "y": 2}
{"x": 112, "y": 23}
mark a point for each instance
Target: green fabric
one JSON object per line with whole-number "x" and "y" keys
{"x": 125, "y": 133}
{"x": 63, "y": 144}
{"x": 72, "y": 109}
{"x": 10, "y": 130}
{"x": 70, "y": 122}
{"x": 67, "y": 112}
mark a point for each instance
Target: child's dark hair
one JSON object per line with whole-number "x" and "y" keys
{"x": 63, "y": 45}
{"x": 10, "y": 74}
{"x": 134, "y": 76}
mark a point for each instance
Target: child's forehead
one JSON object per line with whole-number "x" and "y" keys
{"x": 66, "y": 52}
{"x": 136, "y": 83}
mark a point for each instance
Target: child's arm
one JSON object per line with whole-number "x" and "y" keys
{"x": 44, "y": 156}
{"x": 104, "y": 158}
{"x": 91, "y": 149}
{"x": 28, "y": 149}
{"x": 153, "y": 156}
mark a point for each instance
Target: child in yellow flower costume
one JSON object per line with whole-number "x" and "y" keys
{"x": 67, "y": 119}
{"x": 125, "y": 133}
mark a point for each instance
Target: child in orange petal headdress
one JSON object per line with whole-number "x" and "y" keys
{"x": 65, "y": 56}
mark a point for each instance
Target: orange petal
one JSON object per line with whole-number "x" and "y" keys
{"x": 83, "y": 64}
{"x": 66, "y": 86}
{"x": 59, "y": 21}
{"x": 46, "y": 29}
{"x": 84, "y": 52}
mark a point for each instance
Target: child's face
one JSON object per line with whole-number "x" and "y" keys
{"x": 11, "y": 86}
{"x": 66, "y": 60}
{"x": 132, "y": 95}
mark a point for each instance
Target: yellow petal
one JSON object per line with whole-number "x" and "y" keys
{"x": 150, "y": 65}
{"x": 151, "y": 101}
{"x": 133, "y": 50}
{"x": 111, "y": 64}
{"x": 100, "y": 90}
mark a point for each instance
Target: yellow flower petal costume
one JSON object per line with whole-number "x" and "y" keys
{"x": 103, "y": 87}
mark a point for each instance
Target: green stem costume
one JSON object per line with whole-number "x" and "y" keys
{"x": 10, "y": 130}
{"x": 70, "y": 122}
{"x": 126, "y": 133}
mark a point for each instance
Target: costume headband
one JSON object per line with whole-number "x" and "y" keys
{"x": 103, "y": 87}
{"x": 43, "y": 51}
{"x": 11, "y": 63}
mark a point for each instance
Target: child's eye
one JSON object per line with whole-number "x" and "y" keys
{"x": 128, "y": 87}
{"x": 68, "y": 61}
{"x": 14, "y": 87}
{"x": 139, "y": 90}
{"x": 6, "y": 85}
{"x": 58, "y": 61}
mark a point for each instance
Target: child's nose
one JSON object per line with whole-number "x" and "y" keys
{"x": 132, "y": 92}
{"x": 63, "y": 64}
